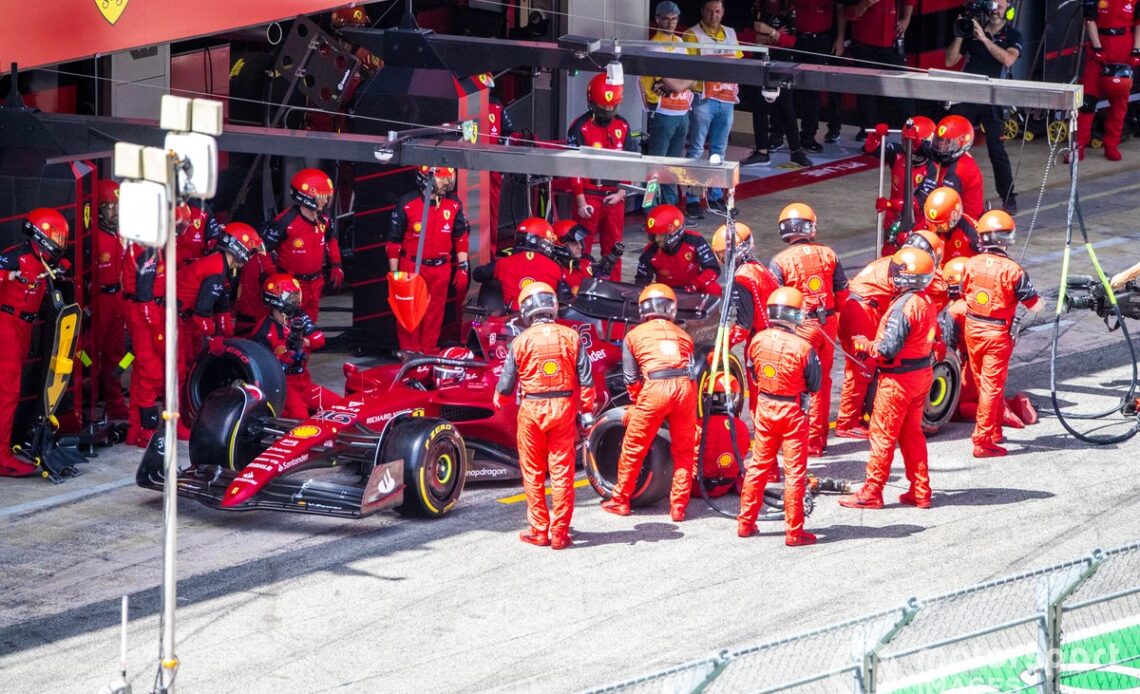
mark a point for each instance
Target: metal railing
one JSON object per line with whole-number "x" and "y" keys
{"x": 1070, "y": 627}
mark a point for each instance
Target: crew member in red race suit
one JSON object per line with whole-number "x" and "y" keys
{"x": 556, "y": 388}
{"x": 108, "y": 328}
{"x": 23, "y": 270}
{"x": 198, "y": 231}
{"x": 815, "y": 270}
{"x": 447, "y": 232}
{"x": 657, "y": 364}
{"x": 144, "y": 298}
{"x": 993, "y": 284}
{"x": 919, "y": 132}
{"x": 290, "y": 334}
{"x": 902, "y": 348}
{"x": 206, "y": 290}
{"x": 752, "y": 282}
{"x": 1113, "y": 31}
{"x": 301, "y": 241}
{"x": 600, "y": 205}
{"x": 495, "y": 129}
{"x": 786, "y": 371}
{"x": 871, "y": 294}
{"x": 943, "y": 214}
{"x": 577, "y": 266}
{"x": 674, "y": 256}
{"x": 532, "y": 259}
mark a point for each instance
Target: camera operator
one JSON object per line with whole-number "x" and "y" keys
{"x": 991, "y": 46}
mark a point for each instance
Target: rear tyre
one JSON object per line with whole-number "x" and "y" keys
{"x": 942, "y": 401}
{"x": 241, "y": 361}
{"x": 228, "y": 430}
{"x": 600, "y": 459}
{"x": 435, "y": 465}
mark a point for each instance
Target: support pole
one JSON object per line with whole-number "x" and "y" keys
{"x": 867, "y": 676}
{"x": 170, "y": 400}
{"x": 1052, "y": 591}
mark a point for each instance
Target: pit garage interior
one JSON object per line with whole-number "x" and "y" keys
{"x": 305, "y": 602}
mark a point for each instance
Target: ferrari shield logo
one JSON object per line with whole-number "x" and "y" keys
{"x": 650, "y": 222}
{"x": 617, "y": 133}
{"x": 609, "y": 92}
{"x": 87, "y": 216}
{"x": 918, "y": 178}
{"x": 447, "y": 214}
{"x": 491, "y": 117}
{"x": 111, "y": 9}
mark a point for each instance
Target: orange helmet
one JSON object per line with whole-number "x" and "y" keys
{"x": 443, "y": 177}
{"x": 538, "y": 300}
{"x": 48, "y": 230}
{"x": 665, "y": 224}
{"x": 602, "y": 98}
{"x": 942, "y": 209}
{"x": 719, "y": 241}
{"x": 927, "y": 241}
{"x": 955, "y": 268}
{"x": 241, "y": 241}
{"x": 952, "y": 138}
{"x": 797, "y": 223}
{"x": 657, "y": 301}
{"x": 282, "y": 291}
{"x": 312, "y": 188}
{"x": 996, "y": 229}
{"x": 911, "y": 269}
{"x": 786, "y": 307}
{"x": 536, "y": 234}
{"x": 350, "y": 17}
{"x": 108, "y": 193}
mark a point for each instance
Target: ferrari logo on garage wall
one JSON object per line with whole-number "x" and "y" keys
{"x": 111, "y": 9}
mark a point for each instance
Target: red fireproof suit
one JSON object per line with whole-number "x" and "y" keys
{"x": 446, "y": 235}
{"x": 963, "y": 175}
{"x": 607, "y": 221}
{"x": 552, "y": 371}
{"x": 657, "y": 362}
{"x": 871, "y": 294}
{"x": 961, "y": 241}
{"x": 521, "y": 268}
{"x": 751, "y": 286}
{"x": 690, "y": 267}
{"x": 786, "y": 369}
{"x": 815, "y": 270}
{"x": 196, "y": 236}
{"x": 902, "y": 348}
{"x": 249, "y": 307}
{"x": 301, "y": 395}
{"x": 144, "y": 293}
{"x": 21, "y": 293}
{"x": 303, "y": 249}
{"x": 1115, "y": 21}
{"x": 108, "y": 328}
{"x": 992, "y": 285}
{"x": 206, "y": 291}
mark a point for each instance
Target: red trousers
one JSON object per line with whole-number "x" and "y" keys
{"x": 108, "y": 336}
{"x": 303, "y": 398}
{"x": 546, "y": 431}
{"x": 778, "y": 425}
{"x": 855, "y": 318}
{"x": 311, "y": 296}
{"x": 672, "y": 400}
{"x": 425, "y": 338}
{"x": 190, "y": 344}
{"x": 1117, "y": 49}
{"x": 145, "y": 321}
{"x": 989, "y": 347}
{"x": 821, "y": 400}
{"x": 607, "y": 223}
{"x": 15, "y": 339}
{"x": 896, "y": 418}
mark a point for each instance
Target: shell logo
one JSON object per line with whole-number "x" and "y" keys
{"x": 549, "y": 367}
{"x": 598, "y": 145}
{"x": 815, "y": 283}
{"x": 526, "y": 281}
{"x": 650, "y": 222}
{"x": 768, "y": 370}
{"x": 417, "y": 226}
{"x": 305, "y": 431}
{"x": 982, "y": 298}
{"x": 724, "y": 460}
{"x": 298, "y": 243}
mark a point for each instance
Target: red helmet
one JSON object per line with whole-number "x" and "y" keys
{"x": 568, "y": 230}
{"x": 657, "y": 301}
{"x": 665, "y": 225}
{"x": 443, "y": 178}
{"x": 49, "y": 230}
{"x": 797, "y": 223}
{"x": 108, "y": 193}
{"x": 911, "y": 269}
{"x": 928, "y": 241}
{"x": 1115, "y": 81}
{"x": 925, "y": 129}
{"x": 996, "y": 229}
{"x": 786, "y": 307}
{"x": 538, "y": 299}
{"x": 350, "y": 17}
{"x": 283, "y": 292}
{"x": 312, "y": 188}
{"x": 448, "y": 375}
{"x": 603, "y": 98}
{"x": 536, "y": 234}
{"x": 952, "y": 138}
{"x": 942, "y": 209}
{"x": 241, "y": 241}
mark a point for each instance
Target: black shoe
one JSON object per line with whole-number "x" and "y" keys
{"x": 798, "y": 157}
{"x": 832, "y": 136}
{"x": 776, "y": 143}
{"x": 861, "y": 136}
{"x": 810, "y": 145}
{"x": 1011, "y": 205}
{"x": 693, "y": 212}
{"x": 719, "y": 206}
{"x": 757, "y": 158}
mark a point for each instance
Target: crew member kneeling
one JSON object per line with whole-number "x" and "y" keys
{"x": 550, "y": 367}
{"x": 657, "y": 364}
{"x": 787, "y": 372}
{"x": 290, "y": 334}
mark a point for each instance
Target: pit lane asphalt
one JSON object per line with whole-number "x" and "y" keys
{"x": 272, "y": 602}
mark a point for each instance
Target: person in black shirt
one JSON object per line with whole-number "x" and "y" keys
{"x": 990, "y": 50}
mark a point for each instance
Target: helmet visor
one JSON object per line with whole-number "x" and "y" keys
{"x": 658, "y": 307}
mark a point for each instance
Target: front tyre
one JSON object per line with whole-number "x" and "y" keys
{"x": 435, "y": 465}
{"x": 942, "y": 401}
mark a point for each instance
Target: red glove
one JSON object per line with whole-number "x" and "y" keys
{"x": 1094, "y": 53}
{"x": 336, "y": 277}
{"x": 216, "y": 344}
{"x": 875, "y": 138}
{"x": 462, "y": 279}
{"x": 884, "y": 205}
{"x": 911, "y": 133}
{"x": 203, "y": 324}
{"x": 225, "y": 321}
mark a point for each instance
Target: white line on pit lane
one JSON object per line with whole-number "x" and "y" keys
{"x": 60, "y": 499}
